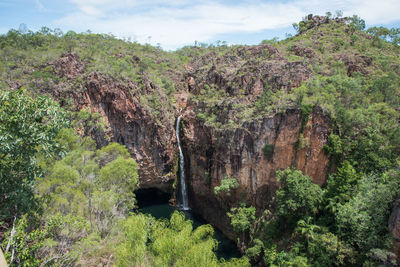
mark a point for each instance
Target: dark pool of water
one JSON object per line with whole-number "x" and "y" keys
{"x": 159, "y": 208}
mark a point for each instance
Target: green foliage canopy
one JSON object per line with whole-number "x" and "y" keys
{"x": 298, "y": 195}
{"x": 363, "y": 219}
{"x": 227, "y": 185}
{"x": 28, "y": 126}
{"x": 242, "y": 218}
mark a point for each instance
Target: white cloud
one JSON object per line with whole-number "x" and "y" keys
{"x": 180, "y": 22}
{"x": 378, "y": 12}
{"x": 91, "y": 11}
{"x": 372, "y": 11}
{"x": 178, "y": 25}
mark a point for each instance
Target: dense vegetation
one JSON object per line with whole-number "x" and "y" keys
{"x": 65, "y": 201}
{"x": 79, "y": 209}
{"x": 346, "y": 221}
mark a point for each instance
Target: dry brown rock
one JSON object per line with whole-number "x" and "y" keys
{"x": 212, "y": 154}
{"x": 303, "y": 51}
{"x": 355, "y": 63}
{"x": 248, "y": 68}
{"x": 69, "y": 65}
{"x": 315, "y": 21}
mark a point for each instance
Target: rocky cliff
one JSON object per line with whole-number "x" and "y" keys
{"x": 247, "y": 112}
{"x": 224, "y": 142}
{"x": 240, "y": 115}
{"x": 150, "y": 140}
{"x": 211, "y": 152}
{"x": 394, "y": 227}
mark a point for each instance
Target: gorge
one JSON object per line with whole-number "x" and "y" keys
{"x": 288, "y": 148}
{"x": 210, "y": 154}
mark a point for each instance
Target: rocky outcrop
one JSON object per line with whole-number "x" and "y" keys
{"x": 212, "y": 154}
{"x": 151, "y": 144}
{"x": 69, "y": 65}
{"x": 311, "y": 21}
{"x": 303, "y": 51}
{"x": 355, "y": 63}
{"x": 248, "y": 69}
{"x": 151, "y": 141}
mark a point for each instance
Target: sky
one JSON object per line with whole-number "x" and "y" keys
{"x": 175, "y": 23}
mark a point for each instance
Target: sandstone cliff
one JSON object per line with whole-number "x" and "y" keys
{"x": 150, "y": 140}
{"x": 210, "y": 152}
{"x": 247, "y": 112}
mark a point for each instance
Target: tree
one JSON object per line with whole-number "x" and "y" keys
{"x": 342, "y": 184}
{"x": 363, "y": 219}
{"x": 306, "y": 229}
{"x": 144, "y": 241}
{"x": 135, "y": 231}
{"x": 28, "y": 126}
{"x": 326, "y": 249}
{"x": 21, "y": 244}
{"x": 85, "y": 202}
{"x": 339, "y": 13}
{"x": 121, "y": 176}
{"x": 242, "y": 219}
{"x": 379, "y": 34}
{"x": 356, "y": 23}
{"x": 298, "y": 196}
{"x": 111, "y": 152}
{"x": 227, "y": 185}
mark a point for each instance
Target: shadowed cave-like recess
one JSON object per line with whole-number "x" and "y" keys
{"x": 156, "y": 203}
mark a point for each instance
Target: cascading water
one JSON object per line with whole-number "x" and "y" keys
{"x": 184, "y": 198}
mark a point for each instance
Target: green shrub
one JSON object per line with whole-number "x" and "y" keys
{"x": 227, "y": 185}
{"x": 268, "y": 150}
{"x": 305, "y": 115}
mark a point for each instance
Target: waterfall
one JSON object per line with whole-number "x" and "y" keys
{"x": 184, "y": 198}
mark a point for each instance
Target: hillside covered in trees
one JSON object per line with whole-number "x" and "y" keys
{"x": 291, "y": 148}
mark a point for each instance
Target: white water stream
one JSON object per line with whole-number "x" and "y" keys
{"x": 183, "y": 193}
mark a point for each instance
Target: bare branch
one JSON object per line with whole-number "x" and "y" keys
{"x": 10, "y": 240}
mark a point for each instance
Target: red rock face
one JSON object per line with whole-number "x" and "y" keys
{"x": 211, "y": 155}
{"x": 246, "y": 68}
{"x": 311, "y": 159}
{"x": 355, "y": 63}
{"x": 151, "y": 143}
{"x": 69, "y": 65}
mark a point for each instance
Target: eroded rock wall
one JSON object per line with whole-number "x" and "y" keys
{"x": 151, "y": 141}
{"x": 212, "y": 154}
